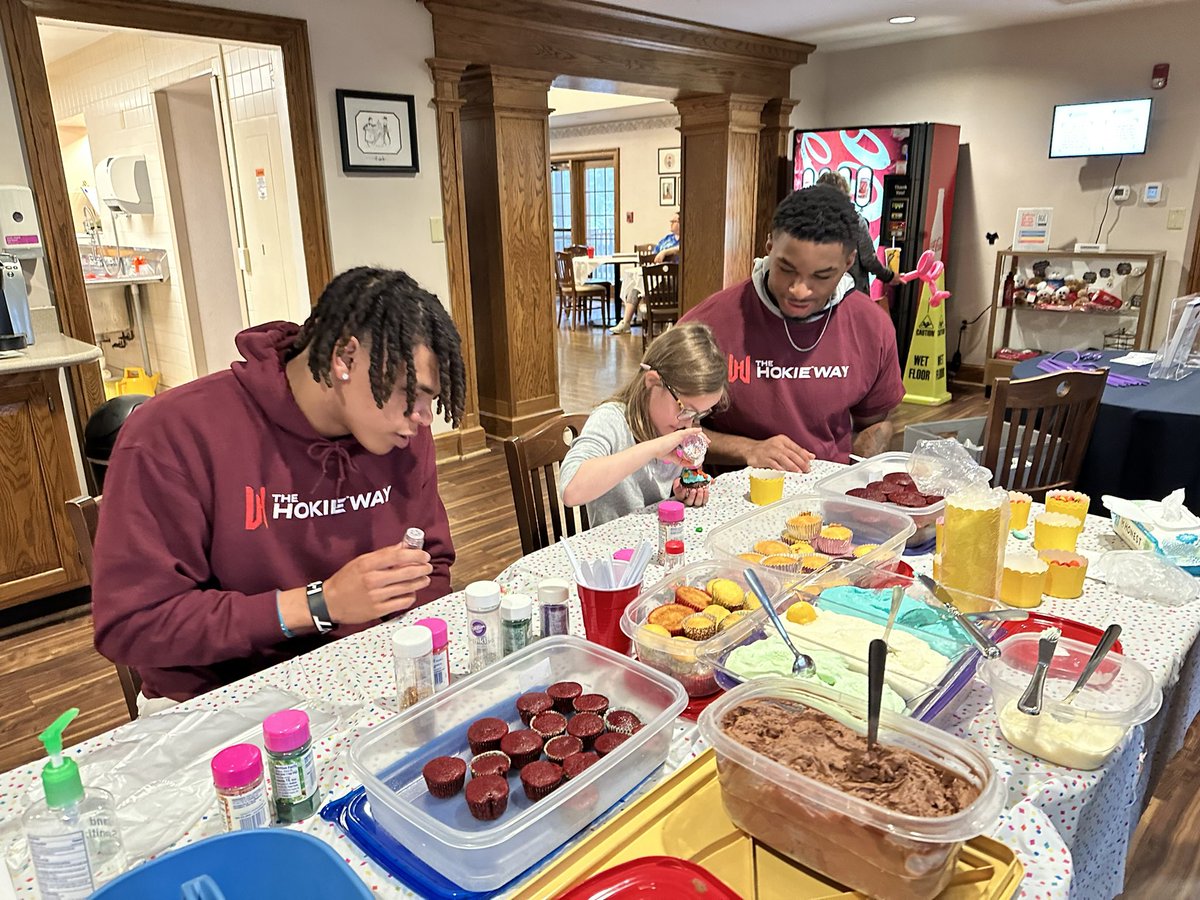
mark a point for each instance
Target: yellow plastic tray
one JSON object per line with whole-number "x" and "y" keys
{"x": 684, "y": 817}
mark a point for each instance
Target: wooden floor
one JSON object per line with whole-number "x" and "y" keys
{"x": 47, "y": 668}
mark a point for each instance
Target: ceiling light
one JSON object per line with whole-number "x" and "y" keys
{"x": 902, "y": 20}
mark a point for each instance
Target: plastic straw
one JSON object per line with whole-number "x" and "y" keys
{"x": 574, "y": 563}
{"x": 637, "y": 565}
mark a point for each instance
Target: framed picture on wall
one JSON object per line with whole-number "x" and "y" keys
{"x": 378, "y": 132}
{"x": 668, "y": 187}
{"x": 670, "y": 161}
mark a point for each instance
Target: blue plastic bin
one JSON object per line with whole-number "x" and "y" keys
{"x": 245, "y": 865}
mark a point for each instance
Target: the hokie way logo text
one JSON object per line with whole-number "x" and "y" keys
{"x": 740, "y": 369}
{"x": 290, "y": 506}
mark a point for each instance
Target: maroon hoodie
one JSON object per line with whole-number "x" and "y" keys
{"x": 218, "y": 494}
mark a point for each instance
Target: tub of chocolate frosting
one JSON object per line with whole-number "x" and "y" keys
{"x": 796, "y": 773}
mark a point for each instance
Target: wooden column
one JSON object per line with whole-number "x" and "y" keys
{"x": 506, "y": 179}
{"x": 774, "y": 180}
{"x": 720, "y": 185}
{"x": 447, "y": 73}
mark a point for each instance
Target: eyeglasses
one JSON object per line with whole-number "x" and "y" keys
{"x": 686, "y": 413}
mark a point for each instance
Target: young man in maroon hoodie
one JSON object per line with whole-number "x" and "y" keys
{"x": 257, "y": 513}
{"x": 813, "y": 367}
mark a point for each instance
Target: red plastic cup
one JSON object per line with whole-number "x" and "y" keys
{"x": 602, "y": 615}
{"x": 591, "y": 252}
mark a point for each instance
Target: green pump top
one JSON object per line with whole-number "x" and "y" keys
{"x": 60, "y": 777}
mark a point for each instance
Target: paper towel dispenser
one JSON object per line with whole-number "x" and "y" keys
{"x": 123, "y": 184}
{"x": 19, "y": 232}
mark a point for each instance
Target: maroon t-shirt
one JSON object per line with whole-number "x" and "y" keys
{"x": 810, "y": 397}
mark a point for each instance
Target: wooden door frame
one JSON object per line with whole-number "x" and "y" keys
{"x": 1193, "y": 282}
{"x": 18, "y": 21}
{"x": 579, "y": 204}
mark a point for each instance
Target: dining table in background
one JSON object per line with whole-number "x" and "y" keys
{"x": 585, "y": 266}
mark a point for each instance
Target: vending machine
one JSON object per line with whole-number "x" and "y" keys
{"x": 902, "y": 182}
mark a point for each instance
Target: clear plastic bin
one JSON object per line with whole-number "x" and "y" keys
{"x": 871, "y": 523}
{"x": 926, "y": 697}
{"x": 483, "y": 856}
{"x": 1084, "y": 733}
{"x": 681, "y": 659}
{"x": 873, "y": 469}
{"x": 864, "y": 846}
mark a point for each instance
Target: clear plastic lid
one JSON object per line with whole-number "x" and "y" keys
{"x": 951, "y": 753}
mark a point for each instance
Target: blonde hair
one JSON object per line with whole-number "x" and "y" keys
{"x": 836, "y": 180}
{"x": 688, "y": 359}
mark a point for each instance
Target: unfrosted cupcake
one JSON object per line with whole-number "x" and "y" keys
{"x": 804, "y": 527}
{"x": 730, "y": 620}
{"x": 802, "y": 548}
{"x": 716, "y": 613}
{"x": 863, "y": 549}
{"x": 699, "y": 627}
{"x": 814, "y": 562}
{"x": 621, "y": 721}
{"x": 726, "y": 592}
{"x": 782, "y": 562}
{"x": 751, "y": 557}
{"x": 487, "y": 797}
{"x": 771, "y": 548}
{"x": 493, "y": 762}
{"x": 540, "y": 778}
{"x": 444, "y": 776}
{"x": 549, "y": 724}
{"x": 834, "y": 539}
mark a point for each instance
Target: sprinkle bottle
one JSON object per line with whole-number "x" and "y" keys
{"x": 412, "y": 651}
{"x": 673, "y": 558}
{"x": 483, "y": 624}
{"x": 441, "y": 651}
{"x": 670, "y": 526}
{"x": 414, "y": 539}
{"x": 294, "y": 789}
{"x": 237, "y": 774}
{"x": 516, "y": 619}
{"x": 552, "y": 603}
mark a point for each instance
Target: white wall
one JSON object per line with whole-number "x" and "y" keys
{"x": 1000, "y": 86}
{"x": 638, "y": 141}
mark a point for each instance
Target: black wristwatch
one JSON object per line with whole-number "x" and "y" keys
{"x": 315, "y": 593}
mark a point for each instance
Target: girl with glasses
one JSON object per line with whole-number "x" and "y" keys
{"x": 624, "y": 459}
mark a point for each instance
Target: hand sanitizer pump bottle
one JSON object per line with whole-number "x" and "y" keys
{"x": 74, "y": 840}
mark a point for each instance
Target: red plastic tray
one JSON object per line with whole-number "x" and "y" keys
{"x": 664, "y": 876}
{"x": 1070, "y": 665}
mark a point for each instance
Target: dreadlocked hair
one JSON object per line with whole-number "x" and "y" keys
{"x": 821, "y": 214}
{"x": 392, "y": 315}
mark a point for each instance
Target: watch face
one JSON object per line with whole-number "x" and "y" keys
{"x": 1124, "y": 268}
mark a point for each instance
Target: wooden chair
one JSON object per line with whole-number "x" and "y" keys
{"x": 576, "y": 298}
{"x": 1038, "y": 430}
{"x": 533, "y": 461}
{"x": 575, "y": 250}
{"x": 84, "y": 515}
{"x": 645, "y": 254}
{"x": 660, "y": 294}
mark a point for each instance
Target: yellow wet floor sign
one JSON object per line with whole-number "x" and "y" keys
{"x": 925, "y": 370}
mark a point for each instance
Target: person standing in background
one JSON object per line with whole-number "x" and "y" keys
{"x": 666, "y": 250}
{"x": 866, "y": 263}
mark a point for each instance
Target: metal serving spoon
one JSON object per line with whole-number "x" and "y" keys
{"x": 803, "y": 663}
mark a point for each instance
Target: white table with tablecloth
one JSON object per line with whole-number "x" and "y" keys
{"x": 1071, "y": 829}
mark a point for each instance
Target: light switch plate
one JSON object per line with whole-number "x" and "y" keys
{"x": 437, "y": 230}
{"x": 1176, "y": 219}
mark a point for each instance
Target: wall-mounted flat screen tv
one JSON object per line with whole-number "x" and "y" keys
{"x": 1110, "y": 128}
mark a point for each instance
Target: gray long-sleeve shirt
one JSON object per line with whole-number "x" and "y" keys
{"x": 607, "y": 432}
{"x": 867, "y": 262}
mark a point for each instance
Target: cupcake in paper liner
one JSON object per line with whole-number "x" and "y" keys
{"x": 834, "y": 539}
{"x": 814, "y": 562}
{"x": 771, "y": 548}
{"x": 782, "y": 562}
{"x": 805, "y": 526}
{"x": 1065, "y": 573}
{"x": 1071, "y": 503}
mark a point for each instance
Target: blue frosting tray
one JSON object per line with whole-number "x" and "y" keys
{"x": 352, "y": 814}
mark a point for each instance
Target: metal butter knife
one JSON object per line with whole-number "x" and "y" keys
{"x": 1111, "y": 633}
{"x": 985, "y": 644}
{"x": 1031, "y": 701}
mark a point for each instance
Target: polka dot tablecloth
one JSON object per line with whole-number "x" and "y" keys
{"x": 1071, "y": 829}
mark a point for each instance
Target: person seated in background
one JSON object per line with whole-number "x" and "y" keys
{"x": 666, "y": 250}
{"x": 812, "y": 365}
{"x": 257, "y": 513}
{"x": 866, "y": 262}
{"x": 624, "y": 458}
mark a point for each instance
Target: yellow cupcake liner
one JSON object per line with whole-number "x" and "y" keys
{"x": 1056, "y": 531}
{"x": 1064, "y": 580}
{"x": 1071, "y": 503}
{"x": 1023, "y": 582}
{"x": 1018, "y": 507}
{"x": 766, "y": 486}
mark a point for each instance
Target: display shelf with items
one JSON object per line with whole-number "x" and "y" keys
{"x": 1049, "y": 300}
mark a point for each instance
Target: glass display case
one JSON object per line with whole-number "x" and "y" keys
{"x": 1049, "y": 300}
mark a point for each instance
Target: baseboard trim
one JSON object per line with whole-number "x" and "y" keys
{"x": 969, "y": 378}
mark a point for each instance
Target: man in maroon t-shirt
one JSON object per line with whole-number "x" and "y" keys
{"x": 813, "y": 368}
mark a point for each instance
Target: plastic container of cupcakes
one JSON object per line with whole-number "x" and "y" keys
{"x": 672, "y": 621}
{"x": 833, "y": 615}
{"x": 873, "y": 475}
{"x": 803, "y": 533}
{"x": 768, "y": 733}
{"x": 483, "y": 855}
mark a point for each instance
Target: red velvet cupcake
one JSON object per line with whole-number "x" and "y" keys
{"x": 608, "y": 742}
{"x": 563, "y": 693}
{"x": 522, "y": 747}
{"x": 621, "y": 721}
{"x": 559, "y": 748}
{"x": 577, "y": 762}
{"x": 487, "y": 797}
{"x": 909, "y": 499}
{"x": 444, "y": 776}
{"x": 485, "y": 734}
{"x": 494, "y": 762}
{"x": 899, "y": 478}
{"x": 587, "y": 727}
{"x": 591, "y": 703}
{"x": 540, "y": 778}
{"x": 532, "y": 704}
{"x": 549, "y": 724}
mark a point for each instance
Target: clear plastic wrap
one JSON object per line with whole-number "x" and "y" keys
{"x": 945, "y": 467}
{"x": 1144, "y": 575}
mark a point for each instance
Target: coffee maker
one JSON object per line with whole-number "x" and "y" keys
{"x": 20, "y": 239}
